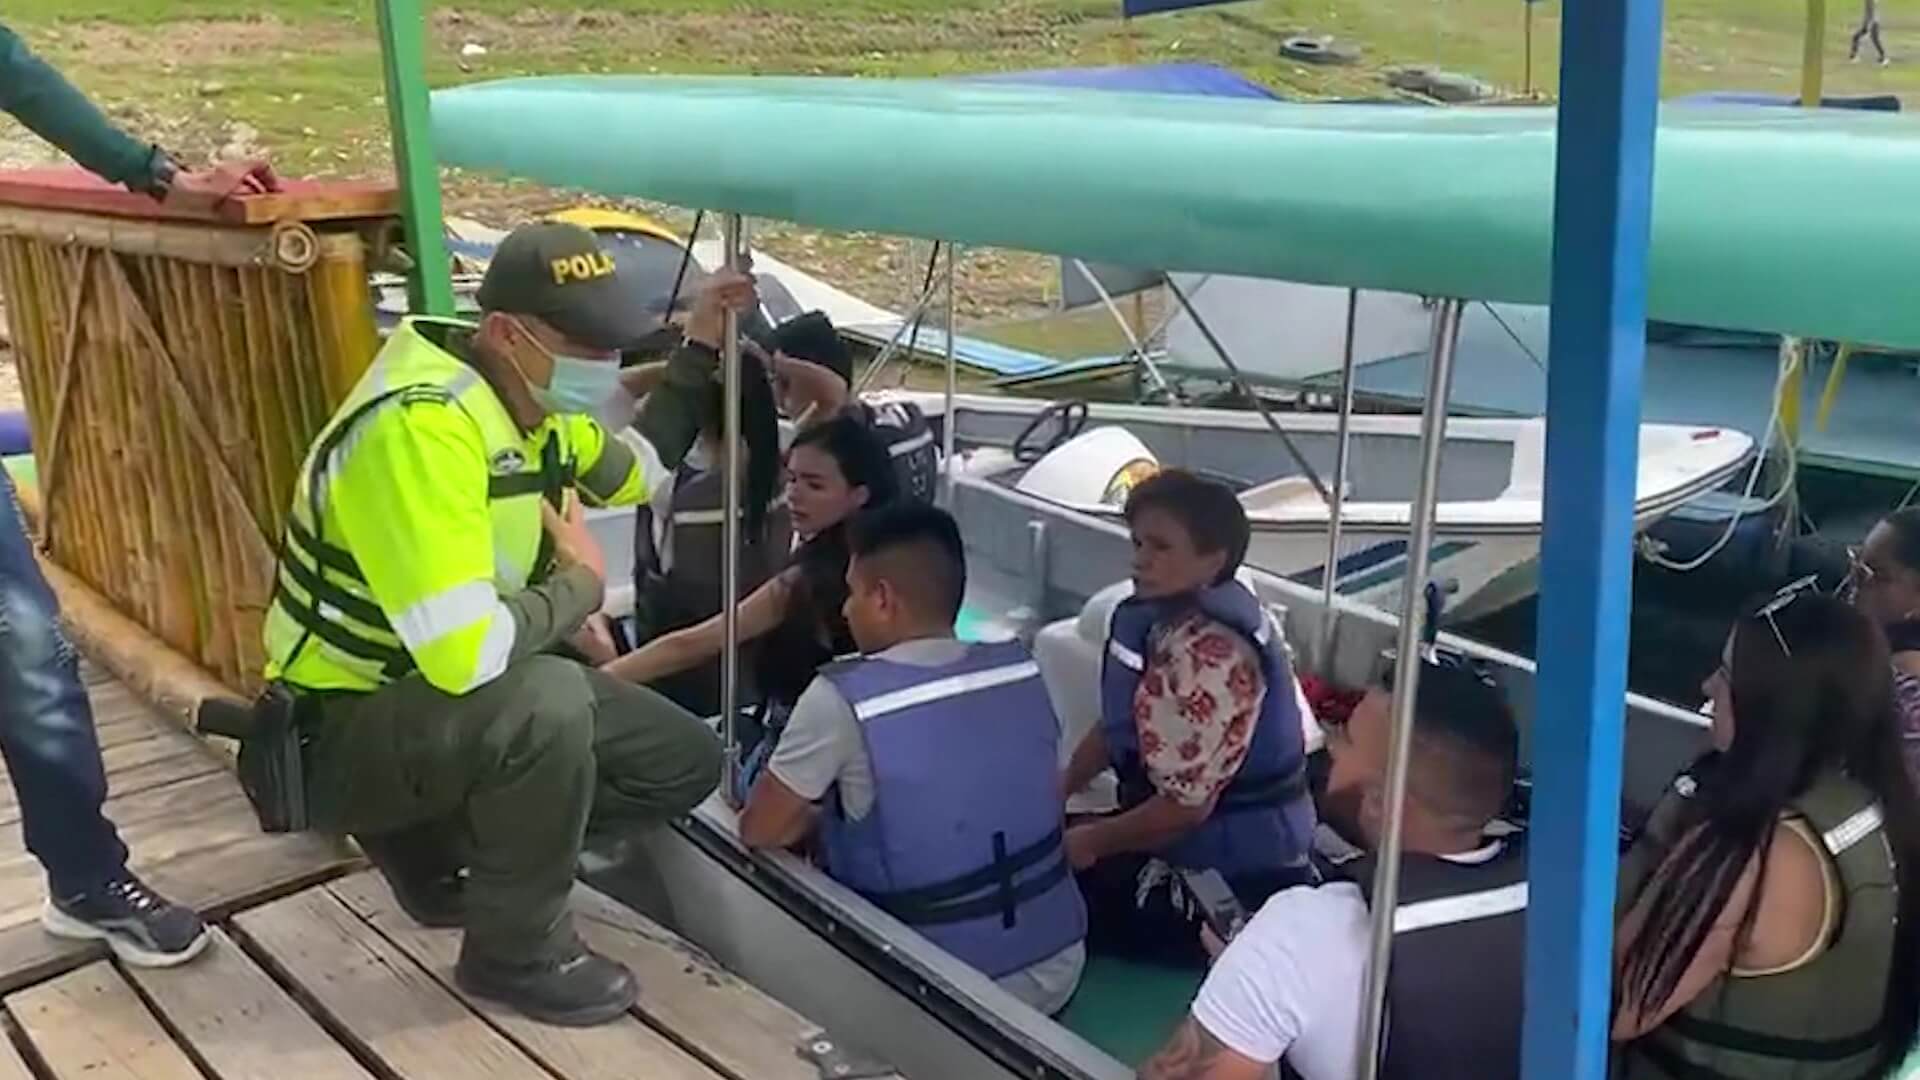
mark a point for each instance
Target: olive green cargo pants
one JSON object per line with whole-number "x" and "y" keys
{"x": 506, "y": 780}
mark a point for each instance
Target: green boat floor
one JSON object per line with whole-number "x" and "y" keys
{"x": 1127, "y": 1008}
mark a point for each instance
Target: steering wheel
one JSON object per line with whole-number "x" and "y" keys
{"x": 1069, "y": 417}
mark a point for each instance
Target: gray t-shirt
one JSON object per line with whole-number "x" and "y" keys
{"x": 821, "y": 747}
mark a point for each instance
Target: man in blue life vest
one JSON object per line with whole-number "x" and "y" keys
{"x": 1200, "y": 721}
{"x": 935, "y": 759}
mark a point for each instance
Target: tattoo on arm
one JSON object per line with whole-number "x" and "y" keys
{"x": 1190, "y": 1055}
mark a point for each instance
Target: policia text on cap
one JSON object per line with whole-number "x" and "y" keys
{"x": 434, "y": 562}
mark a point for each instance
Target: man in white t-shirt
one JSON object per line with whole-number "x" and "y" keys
{"x": 957, "y": 743}
{"x": 1288, "y": 989}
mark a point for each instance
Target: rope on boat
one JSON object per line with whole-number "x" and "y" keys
{"x": 1792, "y": 356}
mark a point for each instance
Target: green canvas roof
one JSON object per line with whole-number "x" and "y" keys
{"x": 1764, "y": 219}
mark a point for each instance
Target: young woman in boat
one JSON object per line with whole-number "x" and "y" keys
{"x": 1884, "y": 582}
{"x": 679, "y": 533}
{"x": 1200, "y": 721}
{"x": 1771, "y": 909}
{"x": 834, "y": 469}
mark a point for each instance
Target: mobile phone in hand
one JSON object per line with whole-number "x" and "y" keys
{"x": 1221, "y": 909}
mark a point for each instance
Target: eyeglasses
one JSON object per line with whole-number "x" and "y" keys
{"x": 1781, "y": 601}
{"x": 1859, "y": 575}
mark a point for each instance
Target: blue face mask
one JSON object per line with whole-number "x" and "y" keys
{"x": 578, "y": 385}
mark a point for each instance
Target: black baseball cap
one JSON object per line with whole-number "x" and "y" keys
{"x": 812, "y": 337}
{"x": 562, "y": 275}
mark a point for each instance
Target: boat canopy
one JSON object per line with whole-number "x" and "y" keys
{"x": 1775, "y": 220}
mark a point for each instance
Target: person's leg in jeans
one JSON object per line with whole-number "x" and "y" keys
{"x": 53, "y": 758}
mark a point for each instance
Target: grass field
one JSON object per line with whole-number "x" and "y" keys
{"x": 299, "y": 80}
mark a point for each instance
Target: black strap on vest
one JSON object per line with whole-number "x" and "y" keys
{"x": 1761, "y": 1044}
{"x": 1904, "y": 636}
{"x": 1670, "y": 1062}
{"x": 1245, "y": 793}
{"x": 395, "y": 662}
{"x": 939, "y": 903}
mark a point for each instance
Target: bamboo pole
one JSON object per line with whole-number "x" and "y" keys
{"x": 205, "y": 244}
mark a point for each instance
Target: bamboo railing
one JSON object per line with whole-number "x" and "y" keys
{"x": 174, "y": 374}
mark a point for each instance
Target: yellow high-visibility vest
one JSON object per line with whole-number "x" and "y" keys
{"x": 417, "y": 512}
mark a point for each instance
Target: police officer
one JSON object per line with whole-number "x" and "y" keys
{"x": 434, "y": 560}
{"x": 935, "y": 759}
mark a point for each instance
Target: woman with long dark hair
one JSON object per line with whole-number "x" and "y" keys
{"x": 834, "y": 469}
{"x": 678, "y": 535}
{"x": 1884, "y": 580}
{"x": 1771, "y": 915}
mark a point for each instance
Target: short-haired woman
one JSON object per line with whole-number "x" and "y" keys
{"x": 1200, "y": 721}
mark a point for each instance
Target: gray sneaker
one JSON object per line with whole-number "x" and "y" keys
{"x": 142, "y": 927}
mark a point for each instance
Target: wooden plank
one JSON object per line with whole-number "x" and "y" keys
{"x": 685, "y": 991}
{"x": 302, "y": 200}
{"x": 615, "y": 1051}
{"x": 125, "y": 729}
{"x": 158, "y": 845}
{"x": 12, "y": 1065}
{"x": 215, "y": 881}
{"x": 239, "y": 1023}
{"x": 157, "y": 767}
{"x": 375, "y": 993}
{"x": 89, "y": 1023}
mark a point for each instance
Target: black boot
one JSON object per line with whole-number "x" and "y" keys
{"x": 576, "y": 988}
{"x": 424, "y": 876}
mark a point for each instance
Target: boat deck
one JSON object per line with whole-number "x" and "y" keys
{"x": 314, "y": 972}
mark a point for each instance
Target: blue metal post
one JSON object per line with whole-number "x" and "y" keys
{"x": 1609, "y": 87}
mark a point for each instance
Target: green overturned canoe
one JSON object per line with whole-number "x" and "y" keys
{"x": 1764, "y": 219}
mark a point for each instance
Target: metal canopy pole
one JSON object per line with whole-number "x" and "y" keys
{"x": 1137, "y": 344}
{"x": 948, "y": 422}
{"x": 402, "y": 60}
{"x": 733, "y": 232}
{"x": 1240, "y": 381}
{"x": 1406, "y": 681}
{"x": 1603, "y": 192}
{"x": 1330, "y": 573}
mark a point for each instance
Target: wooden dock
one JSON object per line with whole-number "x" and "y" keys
{"x": 315, "y": 973}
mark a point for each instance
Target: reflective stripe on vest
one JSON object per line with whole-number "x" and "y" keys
{"x": 324, "y": 628}
{"x": 964, "y": 838}
{"x": 1453, "y": 910}
{"x": 941, "y": 689}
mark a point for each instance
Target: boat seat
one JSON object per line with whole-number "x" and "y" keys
{"x": 1285, "y": 493}
{"x": 1070, "y": 652}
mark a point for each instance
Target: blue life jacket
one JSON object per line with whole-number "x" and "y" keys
{"x": 963, "y": 842}
{"x": 1263, "y": 820}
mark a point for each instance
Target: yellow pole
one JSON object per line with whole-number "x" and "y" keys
{"x": 1812, "y": 59}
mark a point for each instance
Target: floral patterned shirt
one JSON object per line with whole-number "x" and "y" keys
{"x": 1196, "y": 706}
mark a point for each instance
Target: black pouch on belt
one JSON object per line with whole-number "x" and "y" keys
{"x": 271, "y": 769}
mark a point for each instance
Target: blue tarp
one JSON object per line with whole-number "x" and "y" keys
{"x": 1201, "y": 80}
{"x": 1130, "y": 8}
{"x": 1869, "y": 102}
